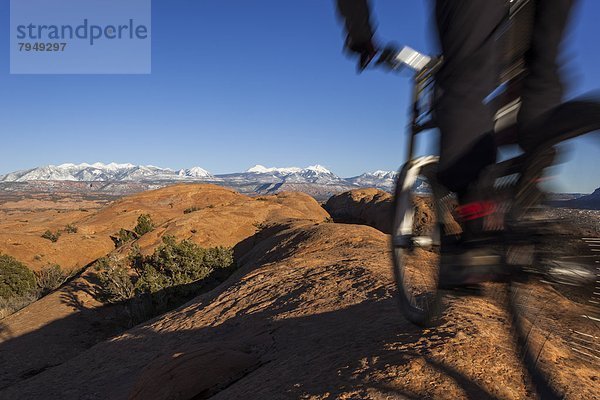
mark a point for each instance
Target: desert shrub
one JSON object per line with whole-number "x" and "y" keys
{"x": 50, "y": 278}
{"x": 126, "y": 236}
{"x": 20, "y": 287}
{"x": 51, "y": 236}
{"x": 191, "y": 210}
{"x": 16, "y": 280}
{"x": 144, "y": 225}
{"x": 17, "y": 286}
{"x": 151, "y": 281}
{"x": 175, "y": 271}
{"x": 123, "y": 236}
{"x": 11, "y": 305}
{"x": 116, "y": 284}
{"x": 71, "y": 229}
{"x": 171, "y": 275}
{"x": 179, "y": 264}
{"x": 218, "y": 258}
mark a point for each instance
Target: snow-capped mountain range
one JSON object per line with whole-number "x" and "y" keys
{"x": 258, "y": 174}
{"x": 313, "y": 174}
{"x": 385, "y": 179}
{"x": 99, "y": 172}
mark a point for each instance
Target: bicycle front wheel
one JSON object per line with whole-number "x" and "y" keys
{"x": 416, "y": 240}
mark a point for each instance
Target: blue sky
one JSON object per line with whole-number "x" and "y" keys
{"x": 238, "y": 83}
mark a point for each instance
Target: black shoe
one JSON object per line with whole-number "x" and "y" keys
{"x": 471, "y": 258}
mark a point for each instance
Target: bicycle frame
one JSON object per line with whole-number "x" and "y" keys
{"x": 421, "y": 82}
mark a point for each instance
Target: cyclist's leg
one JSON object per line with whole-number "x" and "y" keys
{"x": 466, "y": 32}
{"x": 543, "y": 89}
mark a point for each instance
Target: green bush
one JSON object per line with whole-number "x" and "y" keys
{"x": 175, "y": 271}
{"x": 20, "y": 287}
{"x": 179, "y": 264}
{"x": 51, "y": 236}
{"x": 123, "y": 236}
{"x": 170, "y": 275}
{"x": 218, "y": 258}
{"x": 14, "y": 304}
{"x": 71, "y": 229}
{"x": 50, "y": 278}
{"x": 115, "y": 283}
{"x": 126, "y": 236}
{"x": 16, "y": 280}
{"x": 144, "y": 225}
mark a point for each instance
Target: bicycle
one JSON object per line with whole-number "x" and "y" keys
{"x": 553, "y": 297}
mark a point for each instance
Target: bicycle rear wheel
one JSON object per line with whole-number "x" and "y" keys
{"x": 556, "y": 311}
{"x": 416, "y": 240}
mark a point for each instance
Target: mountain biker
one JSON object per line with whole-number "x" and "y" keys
{"x": 470, "y": 72}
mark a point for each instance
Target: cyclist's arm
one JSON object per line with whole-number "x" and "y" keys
{"x": 357, "y": 18}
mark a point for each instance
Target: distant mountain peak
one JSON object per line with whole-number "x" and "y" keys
{"x": 379, "y": 179}
{"x": 194, "y": 172}
{"x": 261, "y": 169}
{"x": 385, "y": 174}
{"x": 314, "y": 174}
{"x": 319, "y": 169}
